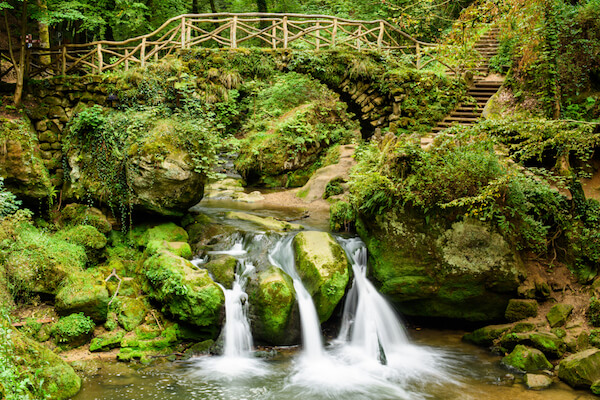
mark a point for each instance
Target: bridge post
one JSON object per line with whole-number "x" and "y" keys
{"x": 359, "y": 31}
{"x": 100, "y": 61}
{"x": 285, "y": 32}
{"x": 182, "y": 33}
{"x": 318, "y": 35}
{"x": 64, "y": 59}
{"x": 233, "y": 33}
{"x": 418, "y": 56}
{"x": 156, "y": 53}
{"x": 274, "y": 35}
{"x": 143, "y": 53}
{"x": 380, "y": 36}
{"x": 334, "y": 32}
{"x": 126, "y": 60}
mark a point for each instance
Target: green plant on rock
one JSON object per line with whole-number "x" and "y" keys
{"x": 72, "y": 327}
{"x": 8, "y": 201}
{"x": 593, "y": 312}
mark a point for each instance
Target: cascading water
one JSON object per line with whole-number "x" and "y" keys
{"x": 236, "y": 361}
{"x": 368, "y": 322}
{"x": 282, "y": 256}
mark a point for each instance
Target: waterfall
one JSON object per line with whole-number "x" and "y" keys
{"x": 238, "y": 337}
{"x": 282, "y": 256}
{"x": 368, "y": 322}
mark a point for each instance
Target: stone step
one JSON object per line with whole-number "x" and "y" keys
{"x": 468, "y": 114}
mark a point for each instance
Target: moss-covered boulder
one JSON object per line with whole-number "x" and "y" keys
{"x": 163, "y": 175}
{"x": 558, "y": 314}
{"x": 581, "y": 370}
{"x": 132, "y": 312}
{"x": 182, "y": 249}
{"x": 272, "y": 306}
{"x": 485, "y": 336}
{"x": 27, "y": 359}
{"x": 84, "y": 292}
{"x": 147, "y": 341}
{"x": 519, "y": 309}
{"x": 107, "y": 341}
{"x": 84, "y": 235}
{"x": 463, "y": 271}
{"x": 526, "y": 359}
{"x": 222, "y": 268}
{"x": 169, "y": 232}
{"x": 322, "y": 264}
{"x": 38, "y": 262}
{"x": 82, "y": 214}
{"x": 21, "y": 163}
{"x": 185, "y": 292}
{"x": 550, "y": 344}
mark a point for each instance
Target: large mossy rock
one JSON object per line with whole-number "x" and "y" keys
{"x": 21, "y": 163}
{"x": 462, "y": 271}
{"x": 485, "y": 336}
{"x": 582, "y": 369}
{"x": 272, "y": 306}
{"x": 39, "y": 263}
{"x": 84, "y": 292}
{"x": 527, "y": 360}
{"x": 322, "y": 264}
{"x": 558, "y": 314}
{"x": 32, "y": 361}
{"x": 185, "y": 292}
{"x": 519, "y": 309}
{"x": 169, "y": 232}
{"x": 222, "y": 268}
{"x": 163, "y": 176}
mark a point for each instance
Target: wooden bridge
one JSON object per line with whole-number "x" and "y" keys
{"x": 230, "y": 31}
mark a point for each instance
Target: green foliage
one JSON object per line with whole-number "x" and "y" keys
{"x": 333, "y": 188}
{"x": 593, "y": 312}
{"x": 341, "y": 216}
{"x": 8, "y": 201}
{"x": 72, "y": 327}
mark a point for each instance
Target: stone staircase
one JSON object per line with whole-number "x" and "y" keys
{"x": 481, "y": 90}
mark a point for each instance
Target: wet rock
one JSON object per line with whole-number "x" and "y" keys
{"x": 581, "y": 370}
{"x": 519, "y": 309}
{"x": 132, "y": 313}
{"x": 465, "y": 271}
{"x": 537, "y": 381}
{"x": 272, "y": 306}
{"x": 222, "y": 268}
{"x": 558, "y": 314}
{"x": 485, "y": 336}
{"x": 184, "y": 292}
{"x": 323, "y": 267}
{"x": 268, "y": 223}
{"x": 526, "y": 359}
{"x": 550, "y": 344}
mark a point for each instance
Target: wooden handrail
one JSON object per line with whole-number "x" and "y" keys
{"x": 278, "y": 31}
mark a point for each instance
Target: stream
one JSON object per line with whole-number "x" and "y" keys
{"x": 373, "y": 357}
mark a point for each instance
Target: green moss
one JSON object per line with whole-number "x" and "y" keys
{"x": 558, "y": 314}
{"x": 548, "y": 343}
{"x": 168, "y": 232}
{"x": 84, "y": 292}
{"x": 581, "y": 370}
{"x": 107, "y": 341}
{"x": 81, "y": 214}
{"x": 84, "y": 235}
{"x": 182, "y": 249}
{"x": 323, "y": 267}
{"x": 73, "y": 331}
{"x": 132, "y": 312}
{"x": 222, "y": 269}
{"x": 485, "y": 336}
{"x": 519, "y": 309}
{"x": 593, "y": 312}
{"x": 527, "y": 359}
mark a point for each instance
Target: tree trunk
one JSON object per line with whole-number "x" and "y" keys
{"x": 21, "y": 68}
{"x": 44, "y": 33}
{"x": 195, "y": 6}
{"x": 213, "y": 7}
{"x": 262, "y": 6}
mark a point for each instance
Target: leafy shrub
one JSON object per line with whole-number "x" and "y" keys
{"x": 72, "y": 327}
{"x": 333, "y": 188}
{"x": 8, "y": 201}
{"x": 341, "y": 216}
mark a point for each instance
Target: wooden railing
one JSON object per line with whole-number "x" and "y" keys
{"x": 225, "y": 30}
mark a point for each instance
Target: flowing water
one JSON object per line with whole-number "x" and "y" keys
{"x": 371, "y": 358}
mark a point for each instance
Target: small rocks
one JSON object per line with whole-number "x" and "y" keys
{"x": 558, "y": 314}
{"x": 537, "y": 381}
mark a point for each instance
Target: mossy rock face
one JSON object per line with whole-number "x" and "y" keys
{"x": 519, "y": 309}
{"x": 182, "y": 249}
{"x": 146, "y": 342}
{"x": 169, "y": 232}
{"x": 460, "y": 271}
{"x": 485, "y": 336}
{"x": 273, "y": 307}
{"x": 84, "y": 235}
{"x": 84, "y": 293}
{"x": 37, "y": 363}
{"x": 558, "y": 314}
{"x": 21, "y": 164}
{"x": 202, "y": 229}
{"x": 510, "y": 340}
{"x": 581, "y": 370}
{"x": 184, "y": 292}
{"x": 527, "y": 360}
{"x": 40, "y": 263}
{"x": 131, "y": 313}
{"x": 109, "y": 340}
{"x": 322, "y": 264}
{"x": 268, "y": 223}
{"x": 222, "y": 268}
{"x": 164, "y": 184}
{"x": 550, "y": 344}
{"x": 81, "y": 214}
